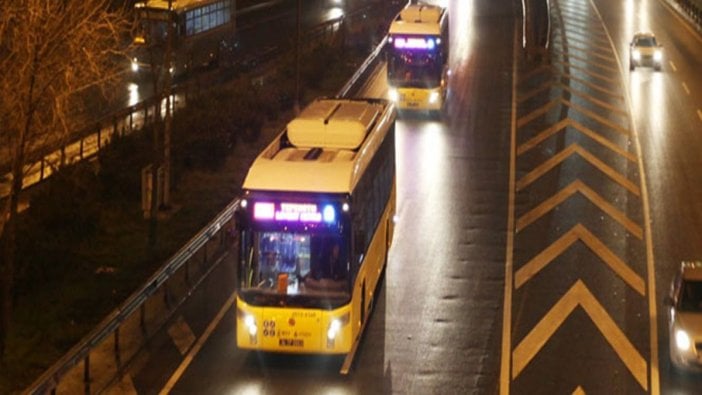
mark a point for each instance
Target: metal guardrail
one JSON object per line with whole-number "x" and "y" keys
{"x": 693, "y": 9}
{"x": 217, "y": 230}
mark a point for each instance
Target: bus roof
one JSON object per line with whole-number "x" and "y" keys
{"x": 418, "y": 19}
{"x": 177, "y": 5}
{"x": 325, "y": 149}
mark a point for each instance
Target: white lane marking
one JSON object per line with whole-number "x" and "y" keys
{"x": 181, "y": 335}
{"x": 687, "y": 90}
{"x": 196, "y": 348}
{"x": 699, "y": 114}
{"x": 672, "y": 65}
{"x": 507, "y": 308}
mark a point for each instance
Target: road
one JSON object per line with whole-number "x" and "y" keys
{"x": 540, "y": 223}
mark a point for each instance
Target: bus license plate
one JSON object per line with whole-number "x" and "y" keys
{"x": 290, "y": 342}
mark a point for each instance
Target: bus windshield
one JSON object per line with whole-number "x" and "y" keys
{"x": 294, "y": 268}
{"x": 415, "y": 69}
{"x": 152, "y": 28}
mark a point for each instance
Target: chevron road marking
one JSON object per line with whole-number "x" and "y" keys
{"x": 182, "y": 335}
{"x": 586, "y": 71}
{"x": 579, "y": 295}
{"x": 542, "y": 68}
{"x": 537, "y": 113}
{"x": 550, "y": 105}
{"x": 590, "y": 52}
{"x": 588, "y": 61}
{"x": 565, "y": 154}
{"x": 545, "y": 86}
{"x": 599, "y": 46}
{"x": 579, "y": 391}
{"x": 608, "y": 107}
{"x": 561, "y": 125}
{"x": 589, "y": 84}
{"x": 579, "y": 232}
{"x": 565, "y": 193}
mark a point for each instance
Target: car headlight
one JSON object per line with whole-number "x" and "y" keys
{"x": 135, "y": 65}
{"x": 393, "y": 95}
{"x": 434, "y": 97}
{"x": 658, "y": 55}
{"x": 637, "y": 54}
{"x": 682, "y": 340}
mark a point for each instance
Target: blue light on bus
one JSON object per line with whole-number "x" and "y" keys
{"x": 329, "y": 213}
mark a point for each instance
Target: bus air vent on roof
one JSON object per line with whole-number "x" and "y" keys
{"x": 332, "y": 123}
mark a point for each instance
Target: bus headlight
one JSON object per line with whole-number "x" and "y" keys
{"x": 434, "y": 97}
{"x": 393, "y": 95}
{"x": 250, "y": 324}
{"x": 333, "y": 330}
{"x": 682, "y": 340}
{"x": 658, "y": 56}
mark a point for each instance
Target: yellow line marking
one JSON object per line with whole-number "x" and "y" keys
{"x": 583, "y": 70}
{"x": 181, "y": 335}
{"x": 563, "y": 155}
{"x": 610, "y": 108}
{"x": 699, "y": 114}
{"x": 570, "y": 190}
{"x": 599, "y": 43}
{"x": 687, "y": 90}
{"x": 650, "y": 260}
{"x": 196, "y": 348}
{"x": 579, "y": 232}
{"x": 588, "y": 61}
{"x": 672, "y": 65}
{"x": 536, "y": 140}
{"x": 603, "y": 56}
{"x": 579, "y": 295}
{"x": 532, "y": 73}
{"x": 590, "y": 84}
{"x": 600, "y": 119}
{"x": 537, "y": 113}
{"x": 579, "y": 391}
{"x": 545, "y": 86}
{"x": 509, "y": 248}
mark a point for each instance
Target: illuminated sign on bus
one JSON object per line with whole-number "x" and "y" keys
{"x": 416, "y": 43}
{"x": 293, "y": 212}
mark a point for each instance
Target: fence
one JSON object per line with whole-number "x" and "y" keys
{"x": 153, "y": 305}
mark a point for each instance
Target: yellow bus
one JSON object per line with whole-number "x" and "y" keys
{"x": 315, "y": 223}
{"x": 204, "y": 34}
{"x": 417, "y": 57}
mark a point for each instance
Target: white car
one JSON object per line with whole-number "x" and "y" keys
{"x": 644, "y": 50}
{"x": 684, "y": 304}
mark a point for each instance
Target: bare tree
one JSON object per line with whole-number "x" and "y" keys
{"x": 53, "y": 54}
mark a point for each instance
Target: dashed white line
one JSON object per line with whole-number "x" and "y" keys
{"x": 699, "y": 114}
{"x": 673, "y": 65}
{"x": 687, "y": 90}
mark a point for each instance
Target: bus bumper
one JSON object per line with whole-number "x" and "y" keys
{"x": 293, "y": 330}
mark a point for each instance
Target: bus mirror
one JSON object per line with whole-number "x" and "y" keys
{"x": 240, "y": 220}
